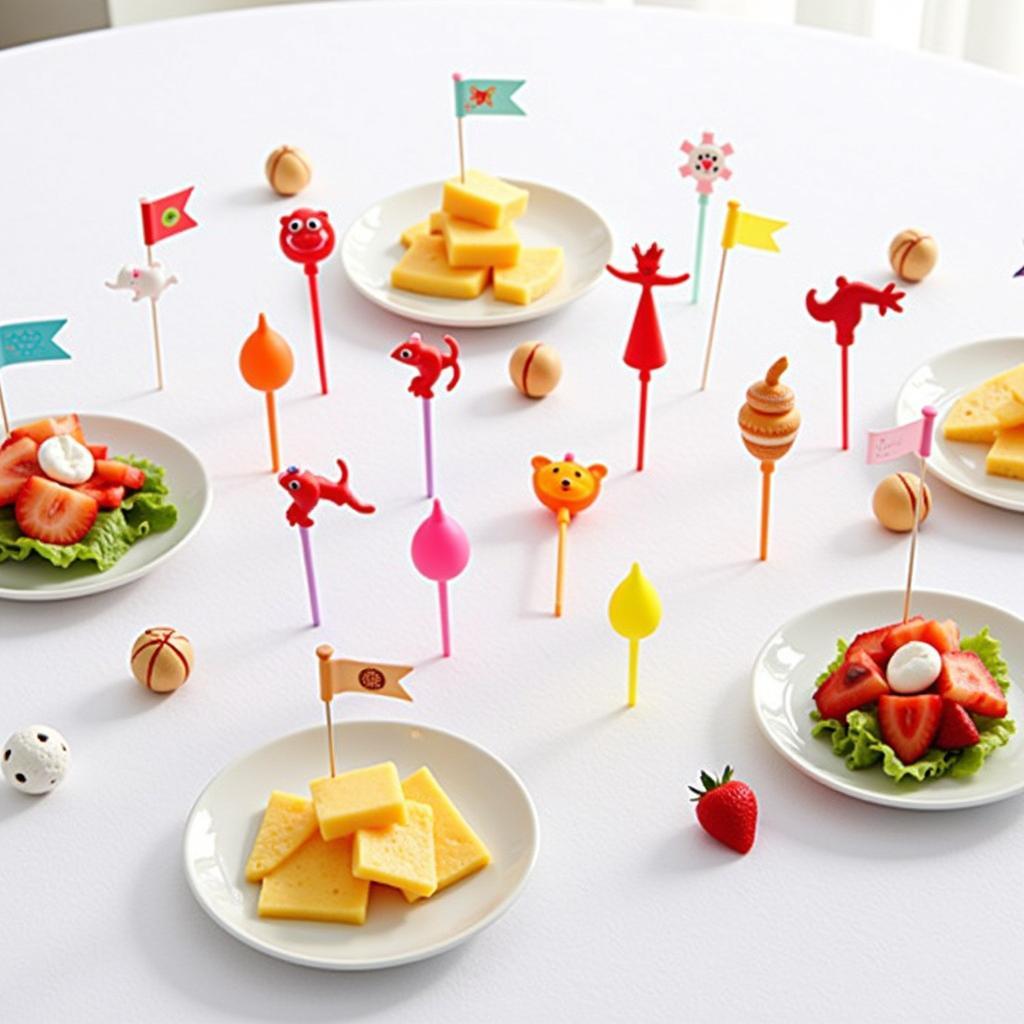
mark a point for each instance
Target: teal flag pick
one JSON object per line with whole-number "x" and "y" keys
{"x": 485, "y": 96}
{"x": 30, "y": 342}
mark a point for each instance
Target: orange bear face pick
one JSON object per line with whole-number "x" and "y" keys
{"x": 566, "y": 484}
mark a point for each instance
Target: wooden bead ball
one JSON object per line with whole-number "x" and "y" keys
{"x": 535, "y": 369}
{"x": 288, "y": 170}
{"x": 895, "y": 501}
{"x": 913, "y": 255}
{"x": 162, "y": 659}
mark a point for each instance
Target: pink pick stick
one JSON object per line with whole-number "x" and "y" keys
{"x": 440, "y": 551}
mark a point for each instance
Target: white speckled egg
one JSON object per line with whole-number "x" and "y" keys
{"x": 913, "y": 667}
{"x": 35, "y": 759}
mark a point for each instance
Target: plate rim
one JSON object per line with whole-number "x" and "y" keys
{"x": 268, "y": 949}
{"x": 847, "y": 786}
{"x": 516, "y": 314}
{"x": 102, "y": 582}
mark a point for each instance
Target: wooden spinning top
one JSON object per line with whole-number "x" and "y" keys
{"x": 769, "y": 419}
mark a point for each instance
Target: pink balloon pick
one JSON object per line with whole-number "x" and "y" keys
{"x": 440, "y": 551}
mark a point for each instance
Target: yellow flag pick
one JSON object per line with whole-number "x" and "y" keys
{"x": 343, "y": 676}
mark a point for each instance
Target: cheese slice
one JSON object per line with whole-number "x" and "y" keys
{"x": 399, "y": 855}
{"x": 288, "y": 822}
{"x": 989, "y": 408}
{"x": 424, "y": 269}
{"x": 469, "y": 245}
{"x": 368, "y": 797}
{"x": 484, "y": 199}
{"x": 316, "y": 884}
{"x": 411, "y": 233}
{"x": 533, "y": 276}
{"x": 458, "y": 850}
{"x": 436, "y": 220}
{"x": 1006, "y": 456}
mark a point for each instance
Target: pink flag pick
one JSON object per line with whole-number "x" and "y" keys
{"x": 440, "y": 551}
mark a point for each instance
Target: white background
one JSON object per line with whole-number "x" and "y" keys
{"x": 842, "y": 909}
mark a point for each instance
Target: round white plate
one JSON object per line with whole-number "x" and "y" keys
{"x": 37, "y": 580}
{"x": 226, "y": 817}
{"x": 789, "y": 663}
{"x": 940, "y": 382}
{"x": 371, "y": 248}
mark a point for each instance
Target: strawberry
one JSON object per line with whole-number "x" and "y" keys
{"x": 727, "y": 810}
{"x": 107, "y": 495}
{"x": 53, "y": 513}
{"x": 99, "y": 451}
{"x": 40, "y": 430}
{"x": 956, "y": 729}
{"x": 871, "y": 643}
{"x": 858, "y": 681}
{"x": 965, "y": 679}
{"x": 909, "y": 724}
{"x": 120, "y": 473}
{"x": 17, "y": 464}
{"x": 903, "y": 632}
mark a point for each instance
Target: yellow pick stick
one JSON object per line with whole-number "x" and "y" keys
{"x": 634, "y": 612}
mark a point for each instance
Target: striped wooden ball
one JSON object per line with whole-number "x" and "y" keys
{"x": 162, "y": 659}
{"x": 535, "y": 369}
{"x": 288, "y": 170}
{"x": 913, "y": 255}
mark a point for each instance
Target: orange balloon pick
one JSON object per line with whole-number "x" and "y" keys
{"x": 266, "y": 362}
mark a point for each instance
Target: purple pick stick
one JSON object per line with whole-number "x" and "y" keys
{"x": 307, "y": 558}
{"x": 428, "y": 445}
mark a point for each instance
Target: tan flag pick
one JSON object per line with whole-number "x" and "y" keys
{"x": 341, "y": 675}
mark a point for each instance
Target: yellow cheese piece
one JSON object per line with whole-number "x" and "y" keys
{"x": 974, "y": 418}
{"x": 424, "y": 269}
{"x": 533, "y": 276}
{"x": 410, "y": 234}
{"x": 316, "y": 884}
{"x": 365, "y": 798}
{"x": 458, "y": 850}
{"x": 469, "y": 245}
{"x": 435, "y": 222}
{"x": 288, "y": 822}
{"x": 1006, "y": 456}
{"x": 483, "y": 199}
{"x": 399, "y": 855}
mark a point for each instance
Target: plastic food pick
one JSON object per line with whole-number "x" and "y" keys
{"x": 307, "y": 237}
{"x": 306, "y": 490}
{"x": 844, "y": 310}
{"x": 705, "y": 163}
{"x": 635, "y": 613}
{"x": 440, "y": 551}
{"x": 645, "y": 350}
{"x": 266, "y": 362}
{"x": 429, "y": 363}
{"x": 565, "y": 487}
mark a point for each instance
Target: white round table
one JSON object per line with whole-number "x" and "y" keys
{"x": 842, "y": 910}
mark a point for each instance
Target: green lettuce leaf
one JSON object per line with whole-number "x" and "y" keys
{"x": 142, "y": 512}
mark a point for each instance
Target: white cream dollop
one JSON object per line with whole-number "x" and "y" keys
{"x": 65, "y": 460}
{"x": 913, "y": 667}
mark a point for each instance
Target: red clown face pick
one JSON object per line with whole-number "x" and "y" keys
{"x": 307, "y": 236}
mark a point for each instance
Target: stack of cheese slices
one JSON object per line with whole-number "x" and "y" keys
{"x": 993, "y": 414}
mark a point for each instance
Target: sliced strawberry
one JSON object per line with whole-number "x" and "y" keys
{"x": 943, "y": 636}
{"x": 17, "y": 464}
{"x": 40, "y": 430}
{"x": 121, "y": 473}
{"x": 53, "y": 513}
{"x": 871, "y": 643}
{"x": 957, "y": 728}
{"x": 99, "y": 451}
{"x": 965, "y": 679}
{"x": 902, "y": 633}
{"x": 909, "y": 724}
{"x": 107, "y": 495}
{"x": 858, "y": 681}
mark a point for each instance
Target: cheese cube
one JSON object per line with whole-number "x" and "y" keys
{"x": 424, "y": 269}
{"x": 1006, "y": 456}
{"x": 399, "y": 855}
{"x": 469, "y": 245}
{"x": 316, "y": 884}
{"x": 533, "y": 276}
{"x": 365, "y": 798}
{"x": 436, "y": 220}
{"x": 486, "y": 200}
{"x": 288, "y": 822}
{"x": 992, "y": 406}
{"x": 458, "y": 850}
{"x": 410, "y": 234}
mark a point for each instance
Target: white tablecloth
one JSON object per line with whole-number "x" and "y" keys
{"x": 842, "y": 910}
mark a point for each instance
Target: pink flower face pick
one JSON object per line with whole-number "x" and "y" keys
{"x": 440, "y": 547}
{"x": 706, "y": 162}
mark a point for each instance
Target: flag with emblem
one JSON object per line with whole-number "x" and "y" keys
{"x": 30, "y": 342}
{"x": 486, "y": 96}
{"x": 162, "y": 218}
{"x": 340, "y": 675}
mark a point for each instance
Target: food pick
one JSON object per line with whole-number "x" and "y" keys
{"x": 307, "y": 237}
{"x": 769, "y": 421}
{"x": 440, "y": 550}
{"x": 306, "y": 490}
{"x": 705, "y": 164}
{"x": 429, "y": 362}
{"x": 635, "y": 613}
{"x": 28, "y": 342}
{"x": 480, "y": 97}
{"x": 340, "y": 675}
{"x": 741, "y": 228}
{"x": 266, "y": 362}
{"x": 844, "y": 310}
{"x": 645, "y": 350}
{"x": 884, "y": 445}
{"x": 567, "y": 488}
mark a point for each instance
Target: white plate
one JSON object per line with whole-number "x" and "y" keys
{"x": 789, "y": 663}
{"x": 37, "y": 580}
{"x": 226, "y": 817}
{"x": 940, "y": 382}
{"x": 371, "y": 248}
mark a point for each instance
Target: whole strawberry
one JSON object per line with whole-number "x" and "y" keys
{"x": 727, "y": 810}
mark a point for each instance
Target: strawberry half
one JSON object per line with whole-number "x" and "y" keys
{"x": 120, "y": 473}
{"x": 42, "y": 429}
{"x": 965, "y": 679}
{"x": 909, "y": 724}
{"x": 858, "y": 681}
{"x": 727, "y": 810}
{"x": 916, "y": 628}
{"x": 51, "y": 512}
{"x": 107, "y": 495}
{"x": 17, "y": 464}
{"x": 871, "y": 643}
{"x": 98, "y": 451}
{"x": 957, "y": 728}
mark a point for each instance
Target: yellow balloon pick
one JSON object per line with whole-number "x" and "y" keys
{"x": 634, "y": 612}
